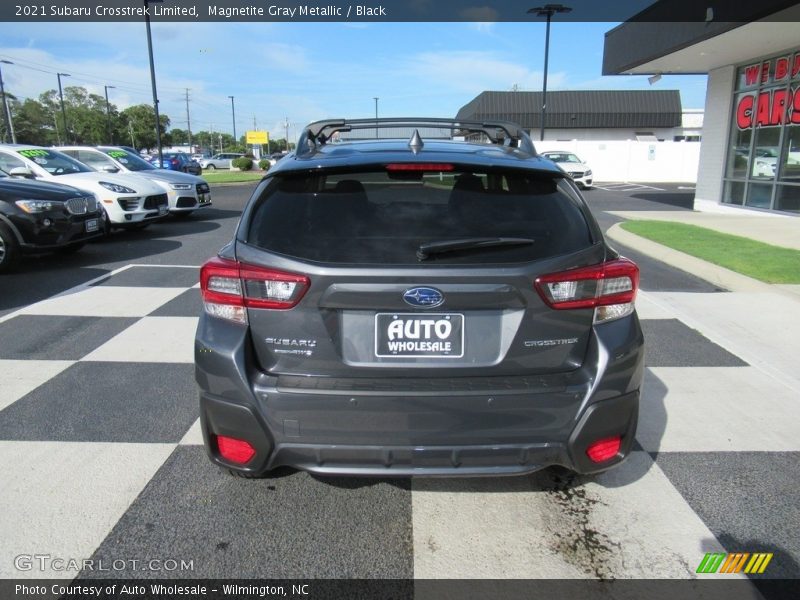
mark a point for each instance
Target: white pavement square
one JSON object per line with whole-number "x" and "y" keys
{"x": 23, "y": 376}
{"x": 717, "y": 409}
{"x": 628, "y": 523}
{"x": 193, "y": 437}
{"x": 151, "y": 339}
{"x": 62, "y": 499}
{"x": 106, "y": 301}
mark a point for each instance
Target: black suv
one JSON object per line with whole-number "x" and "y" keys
{"x": 431, "y": 305}
{"x": 36, "y": 217}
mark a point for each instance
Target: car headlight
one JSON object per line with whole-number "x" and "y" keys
{"x": 117, "y": 189}
{"x": 180, "y": 186}
{"x": 589, "y": 172}
{"x": 38, "y": 206}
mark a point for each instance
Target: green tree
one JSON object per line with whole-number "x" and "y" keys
{"x": 180, "y": 136}
{"x": 33, "y": 123}
{"x": 139, "y": 121}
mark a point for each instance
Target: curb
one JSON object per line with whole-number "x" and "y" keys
{"x": 714, "y": 274}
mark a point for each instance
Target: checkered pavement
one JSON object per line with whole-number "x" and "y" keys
{"x": 101, "y": 457}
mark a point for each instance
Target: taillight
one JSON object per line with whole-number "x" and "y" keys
{"x": 229, "y": 287}
{"x": 174, "y": 162}
{"x": 235, "y": 450}
{"x": 436, "y": 167}
{"x": 609, "y": 288}
{"x": 605, "y": 449}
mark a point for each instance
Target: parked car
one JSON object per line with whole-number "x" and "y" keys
{"x": 573, "y": 166}
{"x": 418, "y": 307}
{"x": 129, "y": 202}
{"x": 219, "y": 161}
{"x": 37, "y": 217}
{"x": 185, "y": 193}
{"x": 178, "y": 161}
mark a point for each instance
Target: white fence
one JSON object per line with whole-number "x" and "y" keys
{"x": 630, "y": 160}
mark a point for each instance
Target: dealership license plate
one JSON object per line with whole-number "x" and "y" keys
{"x": 430, "y": 335}
{"x": 163, "y": 209}
{"x": 91, "y": 225}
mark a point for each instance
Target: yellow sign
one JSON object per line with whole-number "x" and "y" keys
{"x": 257, "y": 137}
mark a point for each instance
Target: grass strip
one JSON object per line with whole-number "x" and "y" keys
{"x": 771, "y": 264}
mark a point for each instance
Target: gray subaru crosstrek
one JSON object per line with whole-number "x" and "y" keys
{"x": 434, "y": 304}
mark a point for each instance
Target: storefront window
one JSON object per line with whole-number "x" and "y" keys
{"x": 763, "y": 159}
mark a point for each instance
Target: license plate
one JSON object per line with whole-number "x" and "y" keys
{"x": 415, "y": 335}
{"x": 91, "y": 225}
{"x": 162, "y": 210}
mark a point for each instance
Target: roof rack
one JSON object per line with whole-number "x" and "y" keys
{"x": 505, "y": 133}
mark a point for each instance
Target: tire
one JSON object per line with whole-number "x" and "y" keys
{"x": 72, "y": 248}
{"x": 9, "y": 249}
{"x": 241, "y": 475}
{"x": 211, "y": 167}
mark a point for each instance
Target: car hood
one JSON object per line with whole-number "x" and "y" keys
{"x": 92, "y": 180}
{"x": 168, "y": 176}
{"x": 38, "y": 190}
{"x": 572, "y": 165}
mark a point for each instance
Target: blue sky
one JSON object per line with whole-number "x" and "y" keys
{"x": 309, "y": 71}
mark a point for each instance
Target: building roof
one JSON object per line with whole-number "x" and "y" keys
{"x": 583, "y": 109}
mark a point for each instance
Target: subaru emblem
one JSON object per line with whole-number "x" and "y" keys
{"x": 423, "y": 297}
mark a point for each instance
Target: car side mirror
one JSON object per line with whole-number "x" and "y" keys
{"x": 21, "y": 172}
{"x": 109, "y": 169}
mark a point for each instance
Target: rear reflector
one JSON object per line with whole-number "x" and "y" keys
{"x": 610, "y": 287}
{"x": 419, "y": 167}
{"x": 229, "y": 287}
{"x": 234, "y": 450}
{"x": 605, "y": 449}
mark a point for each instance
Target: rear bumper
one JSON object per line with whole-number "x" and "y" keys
{"x": 420, "y": 426}
{"x": 616, "y": 416}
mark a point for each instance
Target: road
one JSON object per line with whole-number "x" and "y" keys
{"x": 99, "y": 435}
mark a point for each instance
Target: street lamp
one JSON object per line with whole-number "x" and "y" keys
{"x": 6, "y": 110}
{"x": 108, "y": 114}
{"x": 153, "y": 78}
{"x": 61, "y": 98}
{"x": 233, "y": 118}
{"x": 548, "y": 10}
{"x": 376, "y": 116}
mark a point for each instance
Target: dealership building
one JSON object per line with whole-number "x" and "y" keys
{"x": 750, "y": 152}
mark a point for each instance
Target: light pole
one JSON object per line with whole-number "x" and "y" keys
{"x": 153, "y": 79}
{"x": 61, "y": 99}
{"x": 108, "y": 114}
{"x": 548, "y": 10}
{"x": 376, "y": 115}
{"x": 233, "y": 118}
{"x": 6, "y": 110}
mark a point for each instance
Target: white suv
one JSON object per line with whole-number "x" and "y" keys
{"x": 572, "y": 166}
{"x": 129, "y": 201}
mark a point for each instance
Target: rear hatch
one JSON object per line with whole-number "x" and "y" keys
{"x": 414, "y": 270}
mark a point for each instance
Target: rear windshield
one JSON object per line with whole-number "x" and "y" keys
{"x": 381, "y": 217}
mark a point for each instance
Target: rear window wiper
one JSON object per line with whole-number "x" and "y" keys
{"x": 429, "y": 249}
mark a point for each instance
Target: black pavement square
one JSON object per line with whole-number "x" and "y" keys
{"x": 292, "y": 525}
{"x": 748, "y": 500}
{"x": 670, "y": 343}
{"x": 187, "y": 304}
{"x": 107, "y": 402}
{"x": 154, "y": 277}
{"x": 45, "y": 337}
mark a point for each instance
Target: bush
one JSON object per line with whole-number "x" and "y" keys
{"x": 263, "y": 164}
{"x": 243, "y": 163}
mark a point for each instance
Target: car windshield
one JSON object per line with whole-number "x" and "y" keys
{"x": 562, "y": 157}
{"x": 131, "y": 161}
{"x": 55, "y": 163}
{"x": 383, "y": 217}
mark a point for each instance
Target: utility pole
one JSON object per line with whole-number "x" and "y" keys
{"x": 376, "y": 116}
{"x": 61, "y": 98}
{"x": 6, "y": 110}
{"x": 109, "y": 133}
{"x": 153, "y": 80}
{"x": 233, "y": 118}
{"x": 133, "y": 140}
{"x": 287, "y": 133}
{"x": 188, "y": 121}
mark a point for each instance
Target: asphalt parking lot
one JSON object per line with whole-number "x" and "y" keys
{"x": 100, "y": 445}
